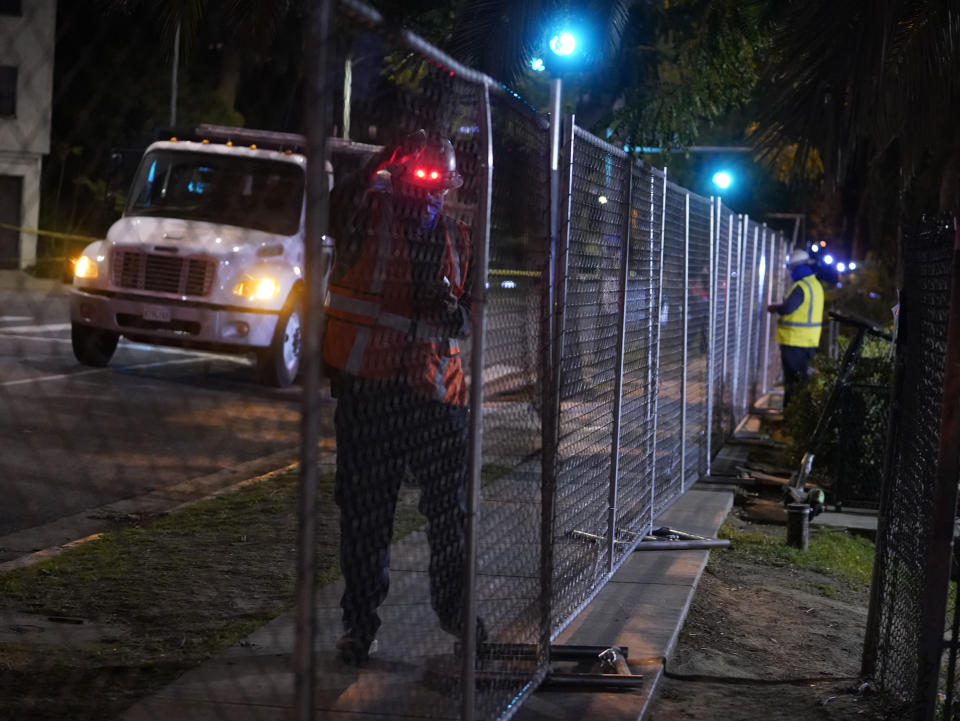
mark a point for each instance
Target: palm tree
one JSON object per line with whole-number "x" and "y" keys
{"x": 869, "y": 85}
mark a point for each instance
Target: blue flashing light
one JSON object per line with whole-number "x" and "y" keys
{"x": 828, "y": 259}
{"x": 852, "y": 266}
{"x": 537, "y": 64}
{"x": 722, "y": 179}
{"x": 563, "y": 43}
{"x": 508, "y": 284}
{"x": 841, "y": 267}
{"x": 814, "y": 248}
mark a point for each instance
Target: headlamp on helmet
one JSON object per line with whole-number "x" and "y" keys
{"x": 430, "y": 163}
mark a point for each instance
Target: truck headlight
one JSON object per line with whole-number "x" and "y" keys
{"x": 85, "y": 268}
{"x": 257, "y": 288}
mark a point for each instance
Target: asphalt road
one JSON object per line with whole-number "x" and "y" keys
{"x": 74, "y": 438}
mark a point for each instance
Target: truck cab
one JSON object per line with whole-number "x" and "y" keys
{"x": 208, "y": 254}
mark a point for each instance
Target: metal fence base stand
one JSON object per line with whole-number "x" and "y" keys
{"x": 798, "y": 525}
{"x": 613, "y": 658}
{"x": 671, "y": 539}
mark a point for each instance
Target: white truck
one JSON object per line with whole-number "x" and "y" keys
{"x": 209, "y": 254}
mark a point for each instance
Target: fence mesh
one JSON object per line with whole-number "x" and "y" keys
{"x": 166, "y": 370}
{"x": 904, "y": 646}
{"x": 636, "y": 485}
{"x": 698, "y": 338}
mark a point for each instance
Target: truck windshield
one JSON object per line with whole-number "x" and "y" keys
{"x": 245, "y": 192}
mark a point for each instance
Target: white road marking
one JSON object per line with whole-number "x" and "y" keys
{"x": 14, "y": 318}
{"x": 124, "y": 343}
{"x": 91, "y": 371}
{"x": 35, "y": 328}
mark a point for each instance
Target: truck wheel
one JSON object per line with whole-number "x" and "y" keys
{"x": 91, "y": 346}
{"x": 279, "y": 363}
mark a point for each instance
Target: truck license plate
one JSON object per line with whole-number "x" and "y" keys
{"x": 157, "y": 313}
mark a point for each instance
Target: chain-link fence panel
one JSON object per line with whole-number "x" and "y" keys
{"x": 166, "y": 155}
{"x": 698, "y": 339}
{"x": 671, "y": 344}
{"x": 134, "y": 388}
{"x": 590, "y": 281}
{"x": 753, "y": 287}
{"x": 635, "y": 490}
{"x": 769, "y": 357}
{"x": 861, "y": 432}
{"x": 727, "y": 305}
{"x": 510, "y": 551}
{"x": 904, "y": 647}
{"x": 408, "y": 228}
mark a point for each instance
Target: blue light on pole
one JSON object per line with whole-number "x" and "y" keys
{"x": 564, "y": 43}
{"x": 722, "y": 179}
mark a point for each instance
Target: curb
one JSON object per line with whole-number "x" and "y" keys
{"x": 52, "y": 539}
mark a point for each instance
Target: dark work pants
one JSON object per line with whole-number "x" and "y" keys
{"x": 795, "y": 362}
{"x": 384, "y": 430}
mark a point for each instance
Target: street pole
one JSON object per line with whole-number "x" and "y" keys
{"x": 551, "y": 397}
{"x": 317, "y": 92}
{"x": 174, "y": 72}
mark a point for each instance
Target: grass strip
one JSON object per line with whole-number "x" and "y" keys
{"x": 171, "y": 592}
{"x": 833, "y": 552}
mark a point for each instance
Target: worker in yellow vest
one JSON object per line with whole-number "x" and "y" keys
{"x": 801, "y": 319}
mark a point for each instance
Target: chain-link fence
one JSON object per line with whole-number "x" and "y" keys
{"x": 503, "y": 412}
{"x": 911, "y": 643}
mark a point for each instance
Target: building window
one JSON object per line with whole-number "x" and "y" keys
{"x": 8, "y": 91}
{"x": 10, "y": 7}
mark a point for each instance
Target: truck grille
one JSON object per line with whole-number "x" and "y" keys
{"x": 162, "y": 273}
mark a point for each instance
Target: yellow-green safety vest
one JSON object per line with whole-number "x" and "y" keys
{"x": 801, "y": 328}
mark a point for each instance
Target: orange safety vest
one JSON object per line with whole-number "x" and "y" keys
{"x": 374, "y": 330}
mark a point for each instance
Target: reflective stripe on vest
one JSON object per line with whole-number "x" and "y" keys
{"x": 801, "y": 328}
{"x": 368, "y": 312}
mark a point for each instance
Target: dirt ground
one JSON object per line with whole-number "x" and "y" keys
{"x": 765, "y": 642}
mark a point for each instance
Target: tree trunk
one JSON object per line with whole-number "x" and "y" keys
{"x": 230, "y": 66}
{"x": 950, "y": 184}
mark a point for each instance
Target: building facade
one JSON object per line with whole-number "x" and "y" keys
{"x": 27, "y": 36}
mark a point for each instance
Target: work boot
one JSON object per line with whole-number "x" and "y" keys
{"x": 356, "y": 647}
{"x": 455, "y": 629}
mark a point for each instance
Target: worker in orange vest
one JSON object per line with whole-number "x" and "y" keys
{"x": 399, "y": 301}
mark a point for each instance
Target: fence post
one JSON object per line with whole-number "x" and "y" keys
{"x": 939, "y": 557}
{"x": 742, "y": 221}
{"x": 686, "y": 326}
{"x": 560, "y": 203}
{"x": 750, "y": 375}
{"x": 768, "y": 286}
{"x": 726, "y": 321}
{"x": 711, "y": 333}
{"x": 618, "y": 377}
{"x": 656, "y": 375}
{"x": 317, "y": 99}
{"x": 481, "y": 255}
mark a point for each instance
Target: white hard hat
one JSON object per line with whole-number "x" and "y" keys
{"x": 798, "y": 257}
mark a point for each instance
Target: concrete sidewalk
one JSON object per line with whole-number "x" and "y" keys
{"x": 415, "y": 672}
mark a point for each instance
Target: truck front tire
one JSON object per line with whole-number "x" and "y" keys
{"x": 279, "y": 363}
{"x": 92, "y": 346}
